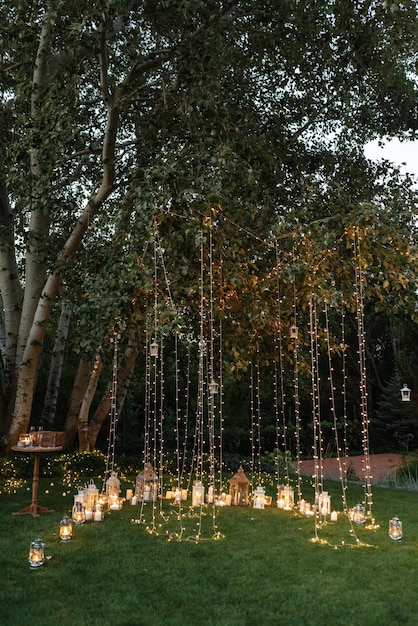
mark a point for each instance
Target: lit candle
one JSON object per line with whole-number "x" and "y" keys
{"x": 134, "y": 500}
{"x": 334, "y": 516}
{"x": 129, "y": 494}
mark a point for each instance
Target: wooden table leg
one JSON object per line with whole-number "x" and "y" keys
{"x": 34, "y": 508}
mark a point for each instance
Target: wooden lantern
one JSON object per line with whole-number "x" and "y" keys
{"x": 238, "y": 488}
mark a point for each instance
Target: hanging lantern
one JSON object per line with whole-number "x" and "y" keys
{"x": 358, "y": 514}
{"x": 66, "y": 528}
{"x": 213, "y": 388}
{"x": 395, "y": 529}
{"x": 405, "y": 393}
{"x": 293, "y": 332}
{"x": 36, "y": 553}
{"x": 259, "y": 497}
{"x": 153, "y": 349}
{"x": 198, "y": 493}
{"x": 79, "y": 513}
{"x": 146, "y": 486}
{"x": 238, "y": 488}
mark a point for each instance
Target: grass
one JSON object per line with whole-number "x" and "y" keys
{"x": 266, "y": 570}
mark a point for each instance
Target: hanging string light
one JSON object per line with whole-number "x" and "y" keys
{"x": 359, "y": 293}
{"x": 113, "y": 413}
{"x": 294, "y": 336}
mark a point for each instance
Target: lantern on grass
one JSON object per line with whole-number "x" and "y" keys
{"x": 259, "y": 497}
{"x": 358, "y": 514}
{"x": 146, "y": 486}
{"x": 98, "y": 514}
{"x": 405, "y": 393}
{"x": 285, "y": 497}
{"x": 91, "y": 493}
{"x": 113, "y": 485}
{"x": 324, "y": 504}
{"x": 395, "y": 529}
{"x": 238, "y": 488}
{"x": 198, "y": 493}
{"x": 79, "y": 513}
{"x": 36, "y": 553}
{"x": 66, "y": 528}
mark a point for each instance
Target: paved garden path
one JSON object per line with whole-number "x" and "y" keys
{"x": 381, "y": 466}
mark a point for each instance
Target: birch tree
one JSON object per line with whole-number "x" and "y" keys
{"x": 116, "y": 113}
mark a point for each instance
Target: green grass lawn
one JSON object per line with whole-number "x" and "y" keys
{"x": 265, "y": 570}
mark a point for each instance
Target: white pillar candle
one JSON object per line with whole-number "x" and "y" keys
{"x": 129, "y": 494}
{"x": 134, "y": 500}
{"x": 334, "y": 516}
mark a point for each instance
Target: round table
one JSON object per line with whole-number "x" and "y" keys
{"x": 34, "y": 508}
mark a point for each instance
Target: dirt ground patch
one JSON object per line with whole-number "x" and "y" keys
{"x": 381, "y": 466}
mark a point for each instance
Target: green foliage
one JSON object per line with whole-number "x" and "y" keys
{"x": 395, "y": 421}
{"x": 240, "y": 121}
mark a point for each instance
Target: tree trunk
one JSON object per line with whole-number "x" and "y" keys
{"x": 79, "y": 389}
{"x": 55, "y": 372}
{"x": 124, "y": 375}
{"x": 83, "y": 419}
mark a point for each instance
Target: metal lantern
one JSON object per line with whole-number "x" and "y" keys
{"x": 36, "y": 553}
{"x": 115, "y": 503}
{"x": 66, "y": 528}
{"x": 358, "y": 514}
{"x": 146, "y": 486}
{"x": 395, "y": 529}
{"x": 198, "y": 493}
{"x": 293, "y": 332}
{"x": 91, "y": 494}
{"x": 79, "y": 513}
{"x": 259, "y": 497}
{"x": 98, "y": 514}
{"x": 213, "y": 388}
{"x": 405, "y": 393}
{"x": 113, "y": 486}
{"x": 153, "y": 349}
{"x": 285, "y": 497}
{"x": 238, "y": 488}
{"x": 324, "y": 504}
